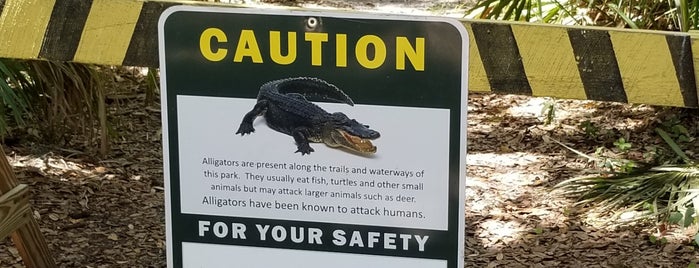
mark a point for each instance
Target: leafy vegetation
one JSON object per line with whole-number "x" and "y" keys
{"x": 52, "y": 101}
{"x": 622, "y": 144}
{"x": 667, "y": 193}
{"x": 15, "y": 103}
{"x": 680, "y": 15}
{"x": 548, "y": 111}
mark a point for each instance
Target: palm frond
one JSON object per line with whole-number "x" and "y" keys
{"x": 12, "y": 94}
{"x": 669, "y": 187}
{"x": 56, "y": 99}
{"x": 675, "y": 148}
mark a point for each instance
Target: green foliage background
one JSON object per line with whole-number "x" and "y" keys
{"x": 681, "y": 15}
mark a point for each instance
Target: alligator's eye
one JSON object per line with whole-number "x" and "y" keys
{"x": 341, "y": 115}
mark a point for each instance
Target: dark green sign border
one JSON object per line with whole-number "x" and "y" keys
{"x": 442, "y": 84}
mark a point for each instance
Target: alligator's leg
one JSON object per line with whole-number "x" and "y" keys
{"x": 246, "y": 125}
{"x": 300, "y": 135}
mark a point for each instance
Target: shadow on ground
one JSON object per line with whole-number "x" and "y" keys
{"x": 512, "y": 217}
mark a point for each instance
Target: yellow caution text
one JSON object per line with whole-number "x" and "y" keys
{"x": 338, "y": 50}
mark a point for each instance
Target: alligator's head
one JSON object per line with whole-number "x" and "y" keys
{"x": 341, "y": 131}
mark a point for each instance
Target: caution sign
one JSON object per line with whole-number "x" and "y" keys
{"x": 312, "y": 139}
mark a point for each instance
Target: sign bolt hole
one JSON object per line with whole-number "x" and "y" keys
{"x": 312, "y": 22}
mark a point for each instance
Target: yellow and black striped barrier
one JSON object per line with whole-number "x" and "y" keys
{"x": 112, "y": 32}
{"x": 606, "y": 64}
{"x": 583, "y": 63}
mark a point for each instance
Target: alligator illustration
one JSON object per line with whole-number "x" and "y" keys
{"x": 286, "y": 109}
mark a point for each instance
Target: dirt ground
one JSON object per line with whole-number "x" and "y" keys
{"x": 99, "y": 212}
{"x": 514, "y": 220}
{"x": 109, "y": 211}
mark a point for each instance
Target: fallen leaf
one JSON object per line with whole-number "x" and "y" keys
{"x": 112, "y": 236}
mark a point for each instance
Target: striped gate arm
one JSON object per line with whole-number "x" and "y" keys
{"x": 110, "y": 32}
{"x": 635, "y": 66}
{"x": 605, "y": 64}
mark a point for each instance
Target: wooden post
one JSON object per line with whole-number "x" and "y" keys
{"x": 14, "y": 210}
{"x": 27, "y": 237}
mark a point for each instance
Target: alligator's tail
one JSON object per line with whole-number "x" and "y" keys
{"x": 314, "y": 89}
